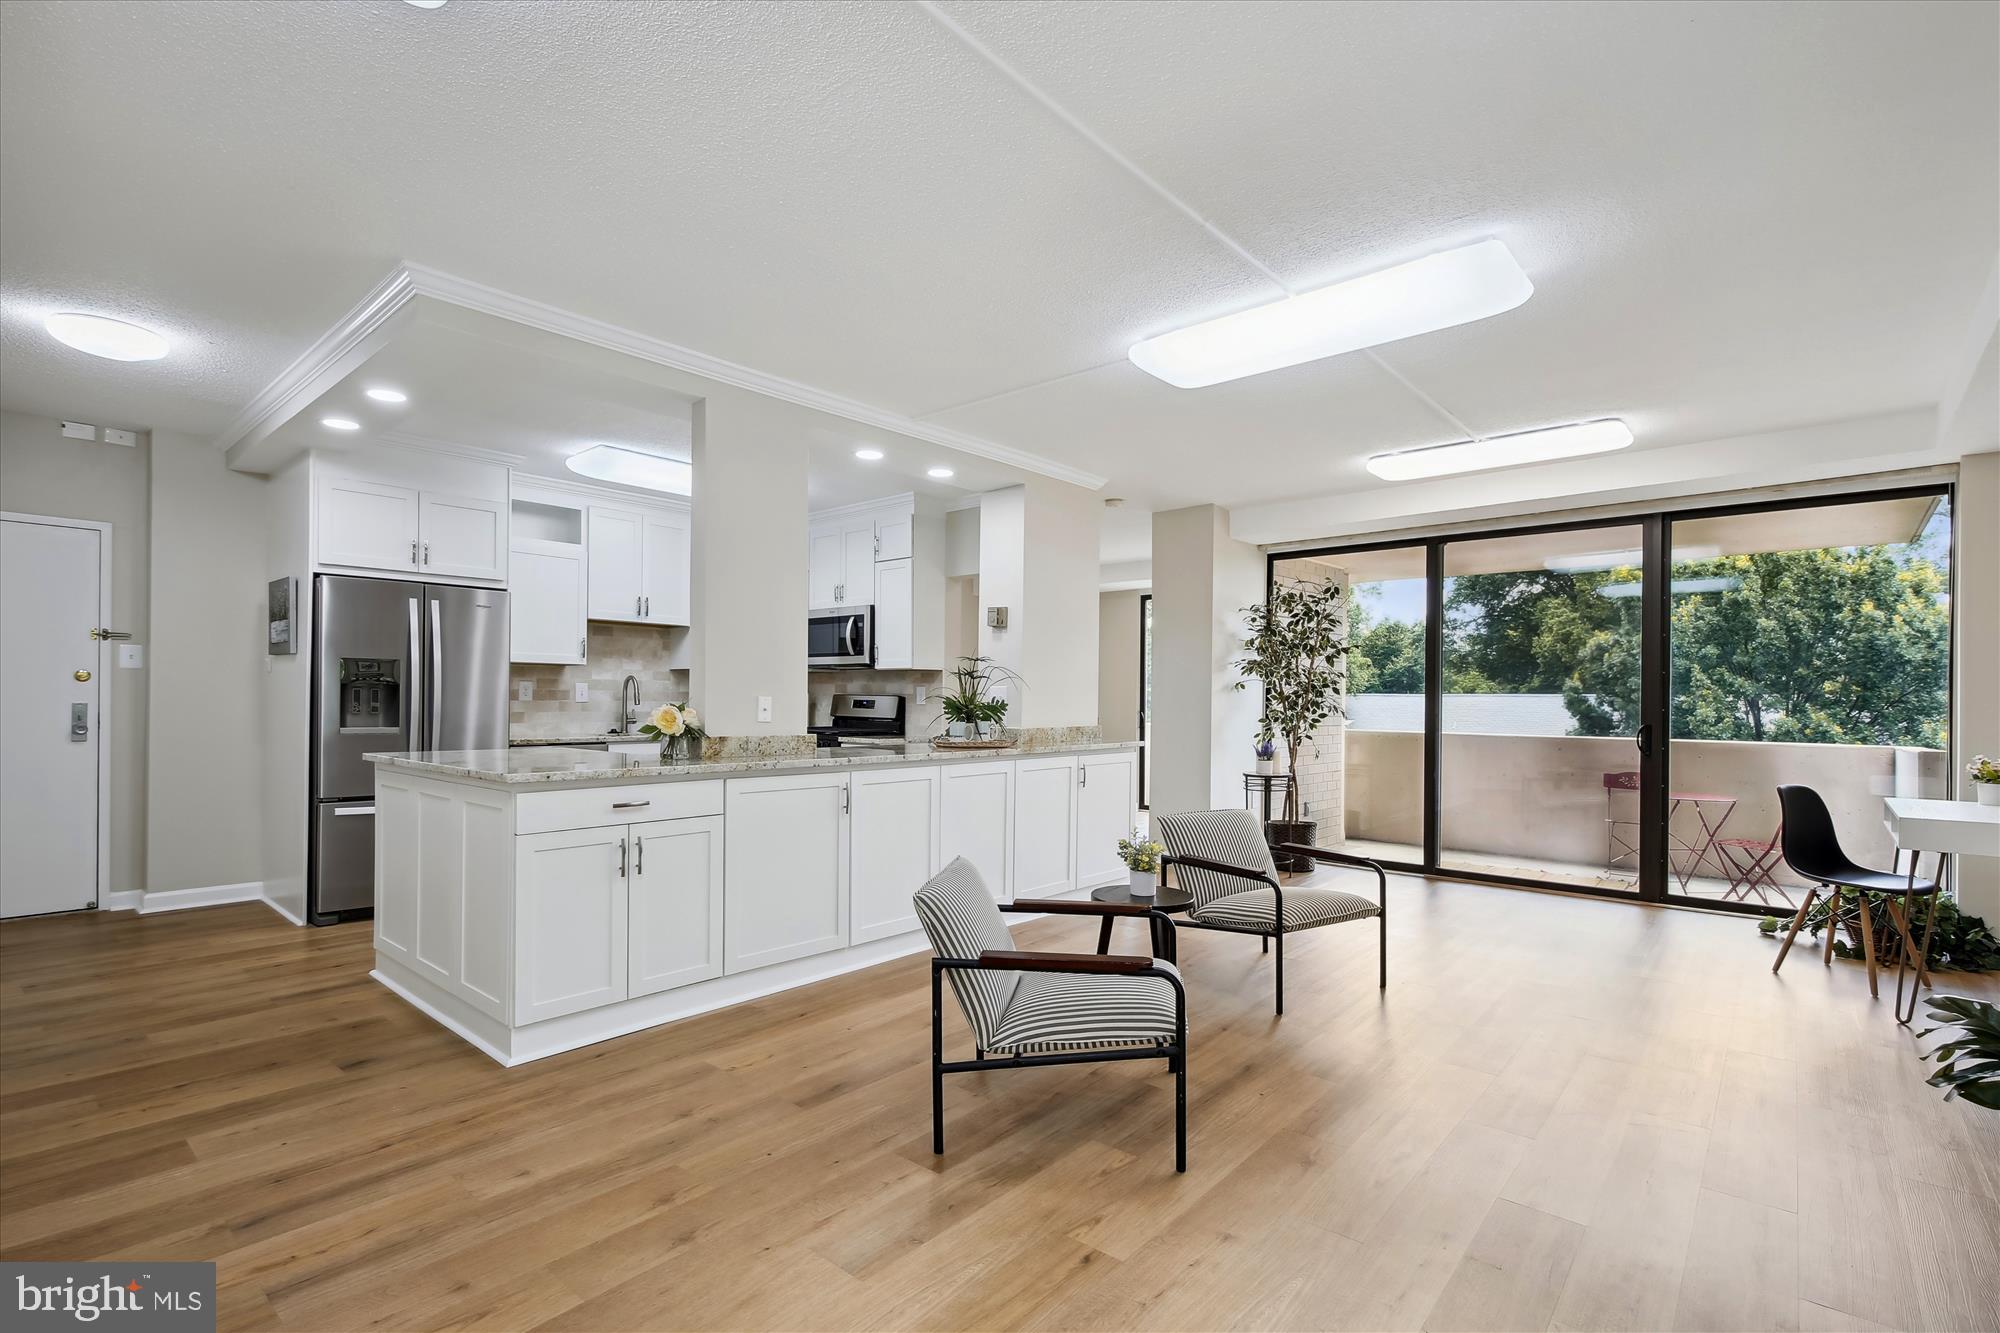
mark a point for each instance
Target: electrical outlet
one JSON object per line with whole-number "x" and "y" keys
{"x": 524, "y": 690}
{"x": 922, "y": 693}
{"x": 582, "y": 692}
{"x": 763, "y": 708}
{"x": 130, "y": 439}
{"x": 131, "y": 656}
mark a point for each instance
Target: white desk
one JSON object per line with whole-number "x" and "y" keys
{"x": 1965, "y": 827}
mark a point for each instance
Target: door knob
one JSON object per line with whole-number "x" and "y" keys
{"x": 83, "y": 675}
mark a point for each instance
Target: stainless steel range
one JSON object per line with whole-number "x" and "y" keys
{"x": 862, "y": 719}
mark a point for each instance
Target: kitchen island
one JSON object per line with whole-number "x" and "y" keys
{"x": 539, "y": 899}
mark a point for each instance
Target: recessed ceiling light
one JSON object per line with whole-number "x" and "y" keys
{"x": 113, "y": 339}
{"x": 941, "y": 473}
{"x": 1529, "y": 446}
{"x": 339, "y": 423}
{"x": 869, "y": 455}
{"x": 633, "y": 467}
{"x": 388, "y": 395}
{"x": 425, "y": 4}
{"x": 1422, "y": 296}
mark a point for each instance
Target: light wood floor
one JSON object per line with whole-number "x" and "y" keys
{"x": 1564, "y": 1114}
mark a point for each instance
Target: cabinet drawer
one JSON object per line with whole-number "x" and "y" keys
{"x": 594, "y": 807}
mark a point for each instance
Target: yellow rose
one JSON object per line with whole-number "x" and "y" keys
{"x": 668, "y": 719}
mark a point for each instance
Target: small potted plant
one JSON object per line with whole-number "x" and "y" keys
{"x": 971, "y": 707}
{"x": 1141, "y": 856}
{"x": 1985, "y": 779}
{"x": 1267, "y": 755}
{"x": 678, "y": 729}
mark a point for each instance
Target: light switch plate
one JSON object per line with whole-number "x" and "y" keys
{"x": 524, "y": 690}
{"x": 922, "y": 693}
{"x": 131, "y": 656}
{"x": 130, "y": 439}
{"x": 582, "y": 692}
{"x": 79, "y": 430}
{"x": 763, "y": 708}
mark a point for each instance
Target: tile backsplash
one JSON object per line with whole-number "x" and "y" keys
{"x": 616, "y": 651}
{"x": 917, "y": 717}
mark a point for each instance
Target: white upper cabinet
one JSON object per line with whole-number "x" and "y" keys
{"x": 369, "y": 524}
{"x": 1107, "y": 797}
{"x": 1044, "y": 827}
{"x": 550, "y": 587}
{"x": 412, "y": 513}
{"x": 463, "y": 536}
{"x": 893, "y": 535}
{"x": 889, "y": 554}
{"x": 823, "y": 568}
{"x": 640, "y": 565}
{"x": 892, "y": 615}
{"x": 857, "y": 564}
{"x": 893, "y": 841}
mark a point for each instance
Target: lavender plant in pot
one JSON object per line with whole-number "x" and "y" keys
{"x": 1295, "y": 646}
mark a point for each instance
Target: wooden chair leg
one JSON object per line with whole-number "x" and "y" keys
{"x": 1868, "y": 946}
{"x": 1797, "y": 921}
{"x": 1832, "y": 922}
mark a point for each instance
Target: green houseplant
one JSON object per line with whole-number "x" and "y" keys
{"x": 972, "y": 707}
{"x": 1295, "y": 646}
{"x": 1968, "y": 1064}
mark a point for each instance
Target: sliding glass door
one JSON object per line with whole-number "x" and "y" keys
{"x": 1609, "y": 707}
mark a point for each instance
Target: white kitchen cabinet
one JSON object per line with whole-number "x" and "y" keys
{"x": 369, "y": 524}
{"x": 893, "y": 848}
{"x": 785, "y": 868}
{"x": 893, "y": 593}
{"x": 463, "y": 536}
{"x": 1044, "y": 826}
{"x": 1107, "y": 794}
{"x": 857, "y": 563}
{"x": 823, "y": 568}
{"x": 674, "y": 913}
{"x": 976, "y": 821}
{"x": 640, "y": 565}
{"x": 894, "y": 535}
{"x": 570, "y": 921}
{"x": 667, "y": 556}
{"x": 840, "y": 561}
{"x": 551, "y": 590}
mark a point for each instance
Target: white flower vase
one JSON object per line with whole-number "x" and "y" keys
{"x": 1989, "y": 792}
{"x": 1143, "y": 882}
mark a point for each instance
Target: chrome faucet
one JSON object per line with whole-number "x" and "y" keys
{"x": 628, "y": 697}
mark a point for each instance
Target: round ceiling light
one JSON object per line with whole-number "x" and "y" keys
{"x": 339, "y": 423}
{"x": 941, "y": 473}
{"x": 425, "y": 4}
{"x": 388, "y": 395}
{"x": 113, "y": 339}
{"x": 869, "y": 455}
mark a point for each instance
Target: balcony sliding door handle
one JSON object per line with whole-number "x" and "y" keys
{"x": 1644, "y": 739}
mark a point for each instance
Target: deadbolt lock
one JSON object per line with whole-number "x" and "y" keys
{"x": 83, "y": 675}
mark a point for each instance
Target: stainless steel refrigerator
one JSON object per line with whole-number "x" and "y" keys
{"x": 397, "y": 666}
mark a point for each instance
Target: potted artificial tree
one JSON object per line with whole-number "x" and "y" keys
{"x": 1296, "y": 648}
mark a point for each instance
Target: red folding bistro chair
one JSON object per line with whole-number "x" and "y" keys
{"x": 1748, "y": 863}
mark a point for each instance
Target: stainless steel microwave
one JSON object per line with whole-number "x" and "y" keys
{"x": 841, "y": 637}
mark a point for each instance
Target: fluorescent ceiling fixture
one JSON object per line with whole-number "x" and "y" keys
{"x": 388, "y": 395}
{"x": 112, "y": 339}
{"x": 869, "y": 455}
{"x": 633, "y": 467}
{"x": 1437, "y": 292}
{"x": 1530, "y": 446}
{"x": 939, "y": 472}
{"x": 1680, "y": 587}
{"x": 339, "y": 423}
{"x": 425, "y": 4}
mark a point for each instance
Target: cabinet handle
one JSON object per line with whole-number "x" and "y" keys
{"x": 427, "y": 553}
{"x": 649, "y": 604}
{"x": 639, "y": 866}
{"x": 583, "y": 647}
{"x": 845, "y": 790}
{"x": 413, "y": 552}
{"x": 621, "y": 858}
{"x": 638, "y": 606}
{"x": 630, "y": 805}
{"x": 1082, "y": 776}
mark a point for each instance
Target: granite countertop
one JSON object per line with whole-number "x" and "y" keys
{"x": 556, "y": 765}
{"x": 580, "y": 738}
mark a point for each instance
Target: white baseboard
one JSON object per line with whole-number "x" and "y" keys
{"x": 281, "y": 909}
{"x": 122, "y": 900}
{"x": 179, "y": 900}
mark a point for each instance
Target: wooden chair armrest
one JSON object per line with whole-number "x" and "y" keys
{"x": 1217, "y": 867}
{"x": 1075, "y": 907}
{"x": 1019, "y": 961}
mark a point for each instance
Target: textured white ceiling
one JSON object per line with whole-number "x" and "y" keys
{"x": 1737, "y": 218}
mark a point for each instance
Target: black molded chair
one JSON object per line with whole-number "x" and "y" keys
{"x": 1812, "y": 850}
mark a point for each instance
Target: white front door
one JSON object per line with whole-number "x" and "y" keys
{"x": 51, "y": 693}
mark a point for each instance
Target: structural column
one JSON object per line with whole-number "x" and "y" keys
{"x": 1203, "y": 727}
{"x": 1038, "y": 557}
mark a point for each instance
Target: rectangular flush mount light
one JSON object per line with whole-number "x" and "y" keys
{"x": 633, "y": 467}
{"x": 1530, "y": 446}
{"x": 1436, "y": 292}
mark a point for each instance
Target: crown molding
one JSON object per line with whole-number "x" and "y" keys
{"x": 431, "y": 445}
{"x": 551, "y": 319}
{"x": 584, "y": 490}
{"x": 864, "y": 506}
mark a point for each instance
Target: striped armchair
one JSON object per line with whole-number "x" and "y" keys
{"x": 1029, "y": 1009}
{"x": 1217, "y": 854}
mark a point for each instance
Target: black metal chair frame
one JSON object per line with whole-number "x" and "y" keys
{"x": 1127, "y": 965}
{"x": 1319, "y": 854}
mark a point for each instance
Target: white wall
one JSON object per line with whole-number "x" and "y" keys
{"x": 961, "y": 543}
{"x": 1203, "y": 727}
{"x": 1976, "y": 654}
{"x": 1118, "y": 665}
{"x": 42, "y": 473}
{"x": 206, "y": 664}
{"x": 1060, "y": 600}
{"x": 1003, "y": 579}
{"x": 287, "y": 693}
